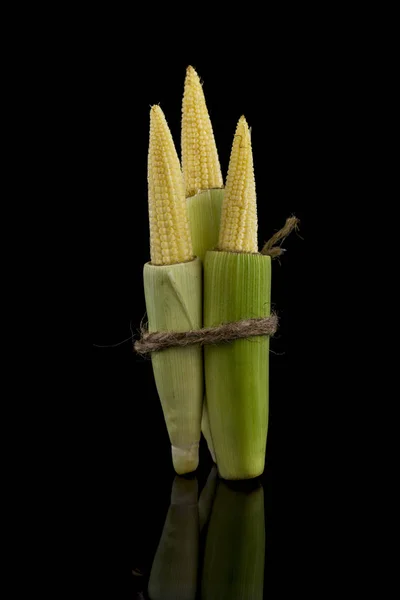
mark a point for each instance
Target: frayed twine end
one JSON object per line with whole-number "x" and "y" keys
{"x": 270, "y": 249}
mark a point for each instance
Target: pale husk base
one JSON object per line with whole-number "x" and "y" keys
{"x": 185, "y": 460}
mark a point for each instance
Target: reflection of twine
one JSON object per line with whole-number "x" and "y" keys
{"x": 160, "y": 340}
{"x": 227, "y": 332}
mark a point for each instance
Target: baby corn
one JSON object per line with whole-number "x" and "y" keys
{"x": 203, "y": 183}
{"x": 173, "y": 294}
{"x": 237, "y": 283}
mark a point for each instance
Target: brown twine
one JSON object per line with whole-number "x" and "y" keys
{"x": 160, "y": 340}
{"x": 270, "y": 249}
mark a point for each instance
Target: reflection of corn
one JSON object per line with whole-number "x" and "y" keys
{"x": 234, "y": 554}
{"x": 200, "y": 164}
{"x": 174, "y": 571}
{"x": 170, "y": 240}
{"x": 238, "y": 231}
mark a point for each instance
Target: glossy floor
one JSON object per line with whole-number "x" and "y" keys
{"x": 211, "y": 543}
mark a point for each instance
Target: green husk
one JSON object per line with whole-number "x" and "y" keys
{"x": 173, "y": 574}
{"x": 207, "y": 497}
{"x": 204, "y": 218}
{"x": 206, "y": 430}
{"x": 237, "y": 286}
{"x": 204, "y": 211}
{"x": 173, "y": 296}
{"x": 234, "y": 557}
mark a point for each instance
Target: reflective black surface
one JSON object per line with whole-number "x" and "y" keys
{"x": 139, "y": 536}
{"x": 211, "y": 544}
{"x": 143, "y": 540}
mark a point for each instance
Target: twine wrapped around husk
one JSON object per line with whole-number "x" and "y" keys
{"x": 246, "y": 328}
{"x": 227, "y": 332}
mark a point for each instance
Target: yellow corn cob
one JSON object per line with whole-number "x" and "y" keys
{"x": 238, "y": 232}
{"x": 170, "y": 240}
{"x": 200, "y": 164}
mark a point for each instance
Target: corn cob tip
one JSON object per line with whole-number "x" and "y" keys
{"x": 238, "y": 232}
{"x": 191, "y": 71}
{"x": 158, "y": 123}
{"x": 200, "y": 162}
{"x": 170, "y": 240}
{"x": 156, "y": 110}
{"x": 242, "y": 127}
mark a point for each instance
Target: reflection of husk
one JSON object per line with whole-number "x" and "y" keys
{"x": 174, "y": 572}
{"x": 235, "y": 546}
{"x": 207, "y": 497}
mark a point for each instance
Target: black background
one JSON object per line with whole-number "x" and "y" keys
{"x": 287, "y": 105}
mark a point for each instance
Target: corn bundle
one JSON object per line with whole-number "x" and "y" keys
{"x": 203, "y": 184}
{"x": 200, "y": 229}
